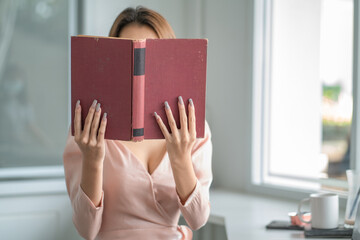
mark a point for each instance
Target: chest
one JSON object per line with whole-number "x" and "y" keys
{"x": 148, "y": 152}
{"x": 130, "y": 190}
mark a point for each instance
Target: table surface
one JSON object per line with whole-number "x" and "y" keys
{"x": 245, "y": 215}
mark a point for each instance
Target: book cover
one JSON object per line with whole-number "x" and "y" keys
{"x": 133, "y": 78}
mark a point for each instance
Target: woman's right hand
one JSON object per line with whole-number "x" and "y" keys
{"x": 91, "y": 139}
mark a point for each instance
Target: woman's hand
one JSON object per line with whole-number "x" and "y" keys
{"x": 179, "y": 142}
{"x": 91, "y": 139}
{"x": 179, "y": 145}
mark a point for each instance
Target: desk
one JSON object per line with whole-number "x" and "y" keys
{"x": 245, "y": 216}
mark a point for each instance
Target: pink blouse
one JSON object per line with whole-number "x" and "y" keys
{"x": 135, "y": 204}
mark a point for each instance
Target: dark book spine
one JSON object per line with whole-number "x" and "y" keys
{"x": 138, "y": 90}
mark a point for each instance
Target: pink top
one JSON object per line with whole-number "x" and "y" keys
{"x": 135, "y": 204}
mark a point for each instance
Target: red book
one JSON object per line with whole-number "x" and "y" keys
{"x": 133, "y": 78}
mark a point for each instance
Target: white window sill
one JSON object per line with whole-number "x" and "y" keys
{"x": 291, "y": 194}
{"x": 32, "y": 181}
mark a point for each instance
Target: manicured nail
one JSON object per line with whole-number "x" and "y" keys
{"x": 156, "y": 115}
{"x": 94, "y": 103}
{"x": 191, "y": 102}
{"x": 167, "y": 105}
{"x": 105, "y": 115}
{"x": 77, "y": 103}
{"x": 181, "y": 100}
{"x": 98, "y": 107}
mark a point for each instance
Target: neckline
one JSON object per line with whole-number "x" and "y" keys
{"x": 139, "y": 162}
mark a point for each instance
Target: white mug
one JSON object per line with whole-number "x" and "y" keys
{"x": 324, "y": 210}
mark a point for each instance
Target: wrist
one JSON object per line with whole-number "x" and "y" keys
{"x": 181, "y": 162}
{"x": 91, "y": 164}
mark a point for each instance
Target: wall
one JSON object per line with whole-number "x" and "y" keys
{"x": 228, "y": 26}
{"x": 36, "y": 217}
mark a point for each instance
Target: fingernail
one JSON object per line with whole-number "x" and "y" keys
{"x": 191, "y": 102}
{"x": 181, "y": 100}
{"x": 94, "y": 103}
{"x": 167, "y": 105}
{"x": 105, "y": 115}
{"x": 156, "y": 115}
{"x": 98, "y": 107}
{"x": 77, "y": 103}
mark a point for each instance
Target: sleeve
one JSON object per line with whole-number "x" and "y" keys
{"x": 196, "y": 209}
{"x": 87, "y": 217}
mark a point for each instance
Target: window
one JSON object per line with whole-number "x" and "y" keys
{"x": 34, "y": 83}
{"x": 303, "y": 91}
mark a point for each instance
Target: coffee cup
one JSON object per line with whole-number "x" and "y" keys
{"x": 324, "y": 210}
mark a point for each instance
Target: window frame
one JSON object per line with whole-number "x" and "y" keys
{"x": 261, "y": 73}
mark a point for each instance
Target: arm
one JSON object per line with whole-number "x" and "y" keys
{"x": 191, "y": 164}
{"x": 196, "y": 208}
{"x": 83, "y": 163}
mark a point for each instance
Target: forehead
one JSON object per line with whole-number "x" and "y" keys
{"x": 137, "y": 31}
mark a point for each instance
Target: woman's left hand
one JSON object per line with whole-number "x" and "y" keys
{"x": 180, "y": 142}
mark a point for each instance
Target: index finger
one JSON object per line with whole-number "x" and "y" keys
{"x": 192, "y": 119}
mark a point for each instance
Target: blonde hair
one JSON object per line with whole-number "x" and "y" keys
{"x": 142, "y": 16}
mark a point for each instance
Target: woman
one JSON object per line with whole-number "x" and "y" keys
{"x": 128, "y": 190}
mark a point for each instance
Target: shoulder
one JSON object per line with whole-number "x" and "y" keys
{"x": 71, "y": 149}
{"x": 205, "y": 142}
{"x": 207, "y": 130}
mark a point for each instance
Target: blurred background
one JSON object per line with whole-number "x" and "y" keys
{"x": 279, "y": 97}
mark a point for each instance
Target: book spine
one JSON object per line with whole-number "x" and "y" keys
{"x": 138, "y": 90}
